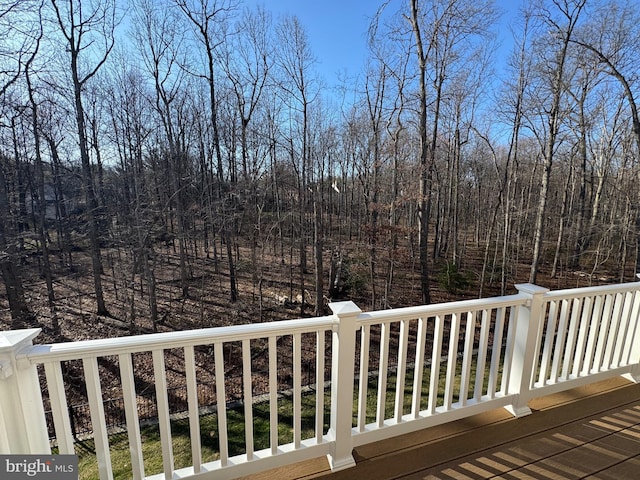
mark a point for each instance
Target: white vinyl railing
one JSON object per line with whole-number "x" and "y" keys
{"x": 585, "y": 333}
{"x": 391, "y": 372}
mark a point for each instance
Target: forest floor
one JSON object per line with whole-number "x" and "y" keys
{"x": 208, "y": 301}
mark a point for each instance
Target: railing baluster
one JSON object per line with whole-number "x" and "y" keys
{"x": 594, "y": 329}
{"x": 560, "y": 348}
{"x": 131, "y": 415}
{"x": 508, "y": 351}
{"x": 626, "y": 330}
{"x": 221, "y": 403}
{"x": 436, "y": 354}
{"x": 59, "y": 407}
{"x": 632, "y": 347}
{"x": 297, "y": 390}
{"x": 382, "y": 373}
{"x": 452, "y": 361}
{"x": 247, "y": 395}
{"x": 164, "y": 420}
{"x": 418, "y": 367}
{"x": 581, "y": 346}
{"x": 603, "y": 333}
{"x": 96, "y": 406}
{"x": 363, "y": 381}
{"x": 483, "y": 346}
{"x": 401, "y": 370}
{"x": 572, "y": 335}
{"x": 319, "y": 386}
{"x": 467, "y": 358}
{"x": 496, "y": 351}
{"x": 614, "y": 326}
{"x": 549, "y": 335}
{"x": 194, "y": 407}
{"x": 273, "y": 395}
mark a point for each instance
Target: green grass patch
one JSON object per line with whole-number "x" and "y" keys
{"x": 151, "y": 444}
{"x": 392, "y": 380}
{"x": 209, "y": 438}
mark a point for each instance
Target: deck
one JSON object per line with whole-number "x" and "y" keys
{"x": 588, "y": 432}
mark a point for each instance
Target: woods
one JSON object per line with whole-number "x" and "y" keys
{"x": 182, "y": 163}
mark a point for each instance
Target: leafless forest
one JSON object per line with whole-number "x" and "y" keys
{"x": 172, "y": 164}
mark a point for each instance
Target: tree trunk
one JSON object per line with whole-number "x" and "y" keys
{"x": 77, "y": 25}
{"x": 317, "y": 246}
{"x": 581, "y": 241}
{"x": 426, "y": 156}
{"x": 89, "y": 192}
{"x": 42, "y": 209}
{"x": 21, "y": 315}
{"x": 553, "y": 124}
{"x": 63, "y": 237}
{"x": 563, "y": 214}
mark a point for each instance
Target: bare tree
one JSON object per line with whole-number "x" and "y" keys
{"x": 561, "y": 30}
{"x": 18, "y": 49}
{"x": 41, "y": 200}
{"x": 375, "y": 87}
{"x": 613, "y": 38}
{"x": 20, "y": 39}
{"x": 388, "y": 114}
{"x": 299, "y": 90}
{"x": 159, "y": 35}
{"x": 247, "y": 61}
{"x": 427, "y": 150}
{"x": 21, "y": 314}
{"x": 88, "y": 31}
{"x": 521, "y": 65}
{"x": 130, "y": 131}
{"x": 443, "y": 32}
{"x": 210, "y": 20}
{"x": 52, "y": 123}
{"x": 588, "y": 77}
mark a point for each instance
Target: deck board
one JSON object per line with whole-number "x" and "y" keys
{"x": 588, "y": 432}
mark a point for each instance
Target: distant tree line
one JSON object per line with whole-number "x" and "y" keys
{"x": 204, "y": 125}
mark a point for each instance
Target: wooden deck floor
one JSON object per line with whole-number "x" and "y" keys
{"x": 590, "y": 432}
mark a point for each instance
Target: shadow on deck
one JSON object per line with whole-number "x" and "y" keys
{"x": 588, "y": 432}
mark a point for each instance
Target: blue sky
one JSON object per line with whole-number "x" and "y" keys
{"x": 337, "y": 29}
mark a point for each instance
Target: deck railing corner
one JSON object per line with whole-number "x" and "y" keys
{"x": 24, "y": 428}
{"x": 524, "y": 349}
{"x": 342, "y": 377}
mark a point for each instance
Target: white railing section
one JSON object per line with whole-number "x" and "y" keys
{"x": 452, "y": 359}
{"x": 160, "y": 346}
{"x": 586, "y": 333}
{"x": 392, "y": 372}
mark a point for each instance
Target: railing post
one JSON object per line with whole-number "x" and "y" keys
{"x": 342, "y": 377}
{"x": 524, "y": 349}
{"x": 23, "y": 427}
{"x": 634, "y": 345}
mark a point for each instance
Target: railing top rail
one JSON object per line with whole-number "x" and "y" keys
{"x": 140, "y": 343}
{"x": 597, "y": 290}
{"x": 154, "y": 341}
{"x": 425, "y": 311}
